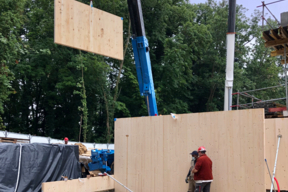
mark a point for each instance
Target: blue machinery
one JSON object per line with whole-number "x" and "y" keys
{"x": 102, "y": 160}
{"x": 142, "y": 58}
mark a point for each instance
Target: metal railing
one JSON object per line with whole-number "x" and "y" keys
{"x": 49, "y": 140}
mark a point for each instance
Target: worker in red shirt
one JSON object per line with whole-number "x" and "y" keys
{"x": 66, "y": 140}
{"x": 203, "y": 171}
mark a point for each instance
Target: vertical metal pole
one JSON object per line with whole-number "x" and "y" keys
{"x": 148, "y": 106}
{"x": 230, "y": 99}
{"x": 238, "y": 99}
{"x": 269, "y": 173}
{"x": 272, "y": 184}
{"x": 252, "y": 102}
{"x": 285, "y": 64}
{"x": 230, "y": 40}
{"x": 263, "y": 4}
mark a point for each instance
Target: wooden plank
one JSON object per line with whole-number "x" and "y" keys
{"x": 283, "y": 32}
{"x": 120, "y": 143}
{"x": 274, "y": 35}
{"x": 266, "y": 37}
{"x": 92, "y": 184}
{"x": 283, "y": 61}
{"x": 79, "y": 26}
{"x": 273, "y": 127}
{"x": 276, "y": 42}
{"x": 230, "y": 138}
{"x": 278, "y": 52}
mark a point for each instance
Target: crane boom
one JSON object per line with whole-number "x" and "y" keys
{"x": 140, "y": 47}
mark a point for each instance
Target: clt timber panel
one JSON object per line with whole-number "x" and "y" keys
{"x": 274, "y": 127}
{"x": 153, "y": 152}
{"x": 92, "y": 184}
{"x": 79, "y": 26}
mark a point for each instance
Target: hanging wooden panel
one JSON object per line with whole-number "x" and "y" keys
{"x": 152, "y": 153}
{"x": 89, "y": 29}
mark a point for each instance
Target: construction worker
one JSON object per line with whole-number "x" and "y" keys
{"x": 66, "y": 140}
{"x": 190, "y": 176}
{"x": 203, "y": 171}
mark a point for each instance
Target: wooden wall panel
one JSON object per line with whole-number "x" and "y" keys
{"x": 153, "y": 152}
{"x": 88, "y": 185}
{"x": 274, "y": 127}
{"x": 79, "y": 26}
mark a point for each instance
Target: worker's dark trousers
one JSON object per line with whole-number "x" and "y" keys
{"x": 205, "y": 187}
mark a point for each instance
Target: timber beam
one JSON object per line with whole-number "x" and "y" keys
{"x": 276, "y": 42}
{"x": 283, "y": 61}
{"x": 279, "y": 52}
{"x": 283, "y": 32}
{"x": 266, "y": 37}
{"x": 274, "y": 35}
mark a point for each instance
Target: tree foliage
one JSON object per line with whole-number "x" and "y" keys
{"x": 59, "y": 90}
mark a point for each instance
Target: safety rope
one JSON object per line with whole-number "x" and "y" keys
{"x": 19, "y": 167}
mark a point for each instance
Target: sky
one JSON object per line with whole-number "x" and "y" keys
{"x": 251, "y": 5}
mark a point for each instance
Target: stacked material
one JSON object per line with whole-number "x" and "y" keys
{"x": 82, "y": 148}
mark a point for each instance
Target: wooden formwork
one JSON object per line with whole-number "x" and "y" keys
{"x": 152, "y": 153}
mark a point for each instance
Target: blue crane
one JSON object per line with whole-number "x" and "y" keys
{"x": 140, "y": 47}
{"x": 103, "y": 160}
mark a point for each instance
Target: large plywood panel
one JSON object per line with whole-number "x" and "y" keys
{"x": 274, "y": 127}
{"x": 79, "y": 26}
{"x": 76, "y": 185}
{"x": 154, "y": 151}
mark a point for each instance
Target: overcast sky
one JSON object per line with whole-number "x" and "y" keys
{"x": 251, "y": 5}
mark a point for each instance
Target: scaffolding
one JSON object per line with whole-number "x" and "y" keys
{"x": 256, "y": 102}
{"x": 278, "y": 39}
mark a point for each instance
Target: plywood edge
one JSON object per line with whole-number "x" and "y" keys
{"x": 59, "y": 43}
{"x": 98, "y": 9}
{"x": 93, "y": 184}
{"x": 181, "y": 114}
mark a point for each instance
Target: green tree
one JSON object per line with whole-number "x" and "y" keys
{"x": 11, "y": 22}
{"x": 188, "y": 56}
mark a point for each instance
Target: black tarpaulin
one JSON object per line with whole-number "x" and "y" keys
{"x": 39, "y": 163}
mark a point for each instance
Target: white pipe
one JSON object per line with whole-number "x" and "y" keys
{"x": 272, "y": 184}
{"x": 229, "y": 71}
{"x": 19, "y": 167}
{"x": 117, "y": 181}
